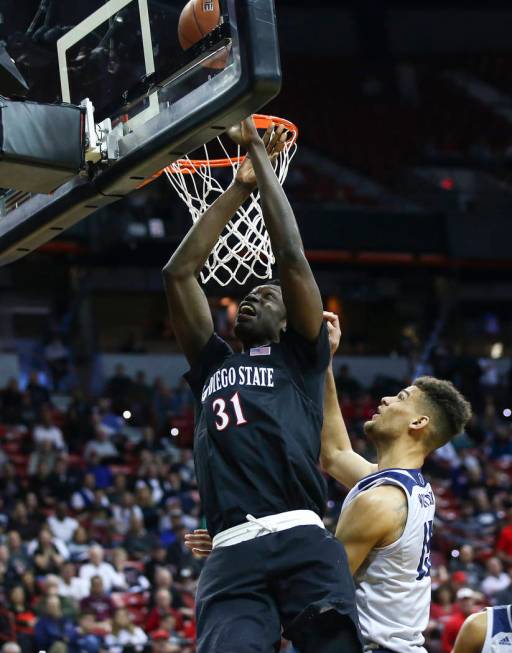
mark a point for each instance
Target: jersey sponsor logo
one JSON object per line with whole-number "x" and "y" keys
{"x": 259, "y": 351}
{"x": 506, "y": 641}
{"x": 245, "y": 375}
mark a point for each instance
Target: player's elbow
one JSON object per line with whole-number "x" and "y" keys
{"x": 173, "y": 272}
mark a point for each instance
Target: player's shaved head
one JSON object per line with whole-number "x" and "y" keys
{"x": 447, "y": 409}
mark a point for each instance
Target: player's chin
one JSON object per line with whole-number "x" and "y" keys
{"x": 243, "y": 330}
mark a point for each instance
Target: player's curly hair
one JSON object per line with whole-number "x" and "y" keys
{"x": 448, "y": 410}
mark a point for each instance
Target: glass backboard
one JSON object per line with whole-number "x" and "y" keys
{"x": 149, "y": 100}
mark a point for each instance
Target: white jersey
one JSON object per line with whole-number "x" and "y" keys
{"x": 498, "y": 638}
{"x": 393, "y": 583}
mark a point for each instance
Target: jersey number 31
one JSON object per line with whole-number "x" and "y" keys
{"x": 223, "y": 417}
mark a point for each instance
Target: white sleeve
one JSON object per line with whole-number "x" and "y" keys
{"x": 77, "y": 501}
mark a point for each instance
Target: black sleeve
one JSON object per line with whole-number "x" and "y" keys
{"x": 309, "y": 356}
{"x": 211, "y": 357}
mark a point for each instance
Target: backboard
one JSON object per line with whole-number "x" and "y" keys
{"x": 148, "y": 101}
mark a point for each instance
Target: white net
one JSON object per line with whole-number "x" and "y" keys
{"x": 243, "y": 249}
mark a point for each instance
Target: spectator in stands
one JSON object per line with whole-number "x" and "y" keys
{"x": 119, "y": 388}
{"x": 19, "y": 559}
{"x": 138, "y": 542}
{"x": 101, "y": 446}
{"x": 125, "y": 512}
{"x": 466, "y": 562}
{"x": 57, "y": 356}
{"x": 85, "y": 638}
{"x": 83, "y": 498}
{"x": 42, "y": 462}
{"x": 98, "y": 567}
{"x": 162, "y": 608}
{"x": 47, "y": 430}
{"x": 70, "y": 585}
{"x": 501, "y": 447}
{"x": 24, "y": 618}
{"x": 125, "y": 634}
{"x": 134, "y": 581}
{"x": 61, "y": 524}
{"x": 146, "y": 501}
{"x": 504, "y": 543}
{"x": 79, "y": 545}
{"x": 346, "y": 385}
{"x": 99, "y": 603}
{"x": 140, "y": 400}
{"x": 11, "y": 402}
{"x": 52, "y": 628}
{"x": 466, "y": 604}
{"x": 163, "y": 579}
{"x": 48, "y": 553}
{"x": 157, "y": 559}
{"x": 68, "y": 606}
{"x": 496, "y": 579}
{"x": 39, "y": 395}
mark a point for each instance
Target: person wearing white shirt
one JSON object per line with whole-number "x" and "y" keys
{"x": 124, "y": 633}
{"x": 48, "y": 431}
{"x": 496, "y": 579}
{"x": 98, "y": 567}
{"x": 61, "y": 524}
{"x": 70, "y": 585}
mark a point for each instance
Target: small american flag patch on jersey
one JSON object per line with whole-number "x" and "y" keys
{"x": 260, "y": 351}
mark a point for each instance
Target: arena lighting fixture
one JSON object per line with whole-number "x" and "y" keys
{"x": 497, "y": 350}
{"x": 127, "y": 414}
{"x": 507, "y": 412}
{"x": 455, "y": 553}
{"x": 175, "y": 432}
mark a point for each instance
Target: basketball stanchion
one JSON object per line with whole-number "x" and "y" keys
{"x": 243, "y": 249}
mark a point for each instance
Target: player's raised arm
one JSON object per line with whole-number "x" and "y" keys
{"x": 301, "y": 295}
{"x": 188, "y": 307}
{"x": 337, "y": 457}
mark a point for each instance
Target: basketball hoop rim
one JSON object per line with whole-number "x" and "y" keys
{"x": 261, "y": 121}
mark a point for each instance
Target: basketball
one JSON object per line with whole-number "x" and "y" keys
{"x": 198, "y": 18}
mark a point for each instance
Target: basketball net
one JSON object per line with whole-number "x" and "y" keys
{"x": 243, "y": 249}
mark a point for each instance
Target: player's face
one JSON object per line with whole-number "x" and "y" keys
{"x": 394, "y": 415}
{"x": 261, "y": 315}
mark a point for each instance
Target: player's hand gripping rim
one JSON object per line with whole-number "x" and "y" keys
{"x": 274, "y": 140}
{"x": 199, "y": 542}
{"x": 334, "y": 330}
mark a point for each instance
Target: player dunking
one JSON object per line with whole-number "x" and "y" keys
{"x": 489, "y": 631}
{"x": 257, "y": 438}
{"x": 386, "y": 520}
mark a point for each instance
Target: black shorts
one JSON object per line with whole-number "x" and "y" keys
{"x": 297, "y": 579}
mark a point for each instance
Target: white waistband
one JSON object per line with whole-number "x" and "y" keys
{"x": 265, "y": 525}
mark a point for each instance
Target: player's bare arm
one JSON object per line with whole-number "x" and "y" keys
{"x": 301, "y": 295}
{"x": 471, "y": 637}
{"x": 337, "y": 457}
{"x": 375, "y": 519}
{"x": 189, "y": 312}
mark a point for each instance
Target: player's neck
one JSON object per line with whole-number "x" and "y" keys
{"x": 398, "y": 454}
{"x": 258, "y": 343}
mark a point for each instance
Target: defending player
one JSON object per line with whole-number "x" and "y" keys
{"x": 489, "y": 631}
{"x": 386, "y": 519}
{"x": 257, "y": 440}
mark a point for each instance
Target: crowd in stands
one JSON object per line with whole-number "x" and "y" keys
{"x": 94, "y": 508}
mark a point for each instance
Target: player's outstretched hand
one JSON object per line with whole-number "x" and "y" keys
{"x": 334, "y": 330}
{"x": 245, "y": 133}
{"x": 199, "y": 542}
{"x": 274, "y": 141}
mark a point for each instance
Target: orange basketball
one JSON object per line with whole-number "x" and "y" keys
{"x": 197, "y": 19}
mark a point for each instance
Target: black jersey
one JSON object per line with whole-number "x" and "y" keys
{"x": 258, "y": 421}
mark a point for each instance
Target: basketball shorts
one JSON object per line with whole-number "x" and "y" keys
{"x": 291, "y": 582}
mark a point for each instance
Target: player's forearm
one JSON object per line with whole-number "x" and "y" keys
{"x": 334, "y": 432}
{"x": 195, "y": 248}
{"x": 277, "y": 212}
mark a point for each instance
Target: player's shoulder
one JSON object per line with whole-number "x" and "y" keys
{"x": 474, "y": 629}
{"x": 382, "y": 508}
